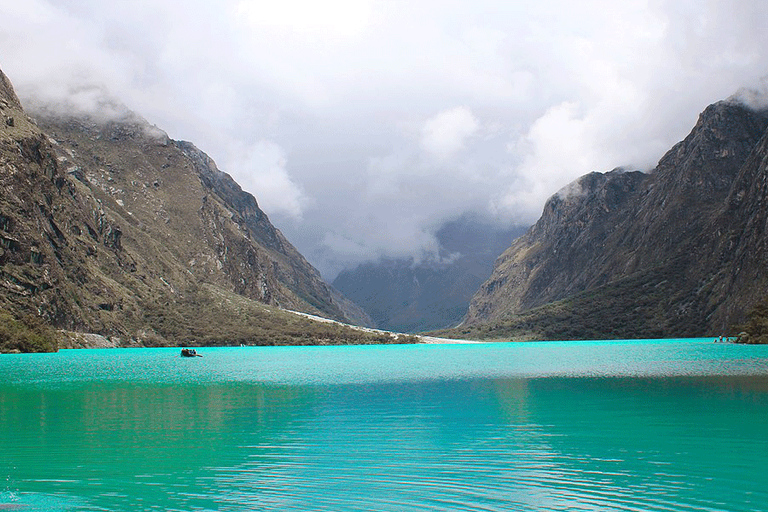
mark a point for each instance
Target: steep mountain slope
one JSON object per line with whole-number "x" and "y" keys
{"x": 741, "y": 252}
{"x": 405, "y": 296}
{"x": 109, "y": 226}
{"x": 674, "y": 235}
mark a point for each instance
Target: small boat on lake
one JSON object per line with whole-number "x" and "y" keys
{"x": 189, "y": 352}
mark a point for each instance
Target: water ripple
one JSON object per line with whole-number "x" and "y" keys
{"x": 648, "y": 426}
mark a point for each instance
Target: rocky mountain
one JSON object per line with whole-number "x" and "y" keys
{"x": 108, "y": 226}
{"x": 678, "y": 251}
{"x": 406, "y": 296}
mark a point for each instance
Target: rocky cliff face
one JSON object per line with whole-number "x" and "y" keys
{"x": 104, "y": 223}
{"x": 689, "y": 234}
{"x": 739, "y": 254}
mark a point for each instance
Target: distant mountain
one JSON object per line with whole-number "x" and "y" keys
{"x": 679, "y": 251}
{"x": 108, "y": 226}
{"x": 407, "y": 296}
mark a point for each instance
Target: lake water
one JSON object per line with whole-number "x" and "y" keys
{"x": 675, "y": 425}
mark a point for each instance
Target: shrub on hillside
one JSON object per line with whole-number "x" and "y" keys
{"x": 26, "y": 334}
{"x": 757, "y": 325}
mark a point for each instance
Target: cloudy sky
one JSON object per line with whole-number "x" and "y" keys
{"x": 363, "y": 125}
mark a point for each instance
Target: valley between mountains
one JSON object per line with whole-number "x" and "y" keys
{"x": 109, "y": 227}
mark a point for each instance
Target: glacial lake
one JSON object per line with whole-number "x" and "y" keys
{"x": 665, "y": 425}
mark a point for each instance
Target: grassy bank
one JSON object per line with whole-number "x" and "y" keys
{"x": 210, "y": 316}
{"x": 26, "y": 334}
{"x": 200, "y": 316}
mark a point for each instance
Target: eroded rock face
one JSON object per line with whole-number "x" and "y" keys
{"x": 680, "y": 227}
{"x": 102, "y": 218}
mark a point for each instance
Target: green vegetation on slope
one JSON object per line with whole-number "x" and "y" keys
{"x": 756, "y": 327}
{"x": 26, "y": 334}
{"x": 210, "y": 316}
{"x": 644, "y": 305}
{"x": 203, "y": 316}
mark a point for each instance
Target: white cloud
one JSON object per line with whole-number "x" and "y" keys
{"x": 446, "y": 133}
{"x": 342, "y": 17}
{"x": 261, "y": 169}
{"x": 755, "y": 97}
{"x": 373, "y": 121}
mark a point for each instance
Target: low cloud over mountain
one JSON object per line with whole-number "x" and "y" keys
{"x": 352, "y": 118}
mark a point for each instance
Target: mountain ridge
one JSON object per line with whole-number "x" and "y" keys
{"x": 675, "y": 229}
{"x": 109, "y": 226}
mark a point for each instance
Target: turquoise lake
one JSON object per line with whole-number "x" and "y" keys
{"x": 672, "y": 425}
